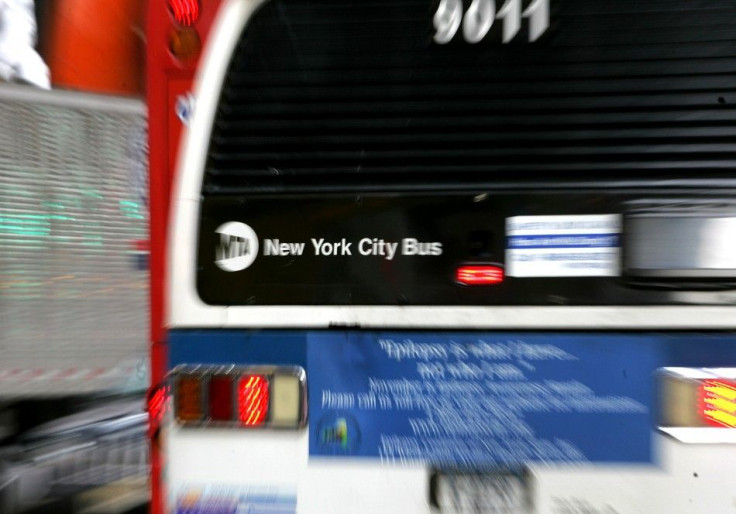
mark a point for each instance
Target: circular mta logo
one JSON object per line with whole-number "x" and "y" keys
{"x": 237, "y": 247}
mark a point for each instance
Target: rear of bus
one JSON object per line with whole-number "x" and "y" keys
{"x": 454, "y": 257}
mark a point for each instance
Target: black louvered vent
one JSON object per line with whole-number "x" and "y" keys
{"x": 346, "y": 94}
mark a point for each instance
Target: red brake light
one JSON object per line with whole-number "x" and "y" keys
{"x": 717, "y": 400}
{"x": 479, "y": 275}
{"x": 253, "y": 398}
{"x": 186, "y": 12}
{"x": 157, "y": 399}
{"x": 221, "y": 398}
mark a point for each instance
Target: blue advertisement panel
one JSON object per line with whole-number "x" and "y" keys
{"x": 473, "y": 400}
{"x": 477, "y": 400}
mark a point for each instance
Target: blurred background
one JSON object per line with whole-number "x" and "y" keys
{"x": 73, "y": 257}
{"x": 93, "y": 46}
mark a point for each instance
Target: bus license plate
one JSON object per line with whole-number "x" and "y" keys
{"x": 497, "y": 493}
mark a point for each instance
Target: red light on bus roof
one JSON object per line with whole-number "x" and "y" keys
{"x": 479, "y": 275}
{"x": 253, "y": 397}
{"x": 221, "y": 398}
{"x": 186, "y": 12}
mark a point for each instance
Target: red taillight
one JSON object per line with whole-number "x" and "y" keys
{"x": 717, "y": 402}
{"x": 157, "y": 403}
{"x": 221, "y": 398}
{"x": 186, "y": 12}
{"x": 479, "y": 275}
{"x": 252, "y": 399}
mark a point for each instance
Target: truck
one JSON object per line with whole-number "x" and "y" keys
{"x": 73, "y": 293}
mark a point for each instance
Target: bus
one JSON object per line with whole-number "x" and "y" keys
{"x": 443, "y": 256}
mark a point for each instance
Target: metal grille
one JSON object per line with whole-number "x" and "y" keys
{"x": 99, "y": 462}
{"x": 73, "y": 231}
{"x": 99, "y": 455}
{"x": 330, "y": 94}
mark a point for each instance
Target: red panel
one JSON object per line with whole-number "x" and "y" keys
{"x": 179, "y": 88}
{"x": 165, "y": 77}
{"x": 96, "y": 46}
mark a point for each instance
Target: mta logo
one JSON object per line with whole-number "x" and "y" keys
{"x": 237, "y": 248}
{"x": 232, "y": 247}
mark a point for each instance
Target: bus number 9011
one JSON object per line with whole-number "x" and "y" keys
{"x": 481, "y": 15}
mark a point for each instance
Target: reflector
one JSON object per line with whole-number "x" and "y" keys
{"x": 189, "y": 399}
{"x": 184, "y": 43}
{"x": 252, "y": 399}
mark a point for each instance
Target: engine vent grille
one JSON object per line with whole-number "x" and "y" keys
{"x": 346, "y": 94}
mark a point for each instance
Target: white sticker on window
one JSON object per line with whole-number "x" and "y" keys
{"x": 563, "y": 246}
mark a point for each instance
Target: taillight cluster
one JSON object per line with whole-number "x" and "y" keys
{"x": 698, "y": 397}
{"x": 239, "y": 396}
{"x": 184, "y": 41}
